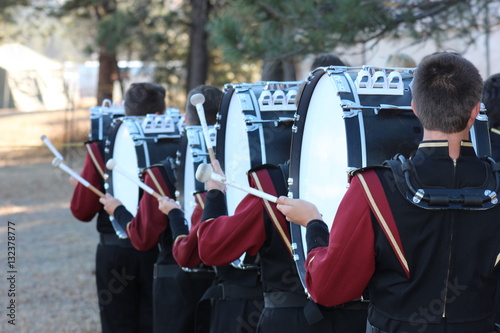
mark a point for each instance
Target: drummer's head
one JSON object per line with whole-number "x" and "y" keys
{"x": 211, "y": 105}
{"x": 144, "y": 98}
{"x": 446, "y": 90}
{"x": 325, "y": 60}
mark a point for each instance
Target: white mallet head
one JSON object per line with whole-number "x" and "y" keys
{"x": 204, "y": 173}
{"x": 110, "y": 164}
{"x": 197, "y": 99}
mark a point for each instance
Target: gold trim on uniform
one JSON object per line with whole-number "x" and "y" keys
{"x": 495, "y": 130}
{"x": 433, "y": 144}
{"x": 466, "y": 144}
{"x": 94, "y": 160}
{"x": 498, "y": 259}
{"x": 383, "y": 223}
{"x": 273, "y": 217}
{"x": 156, "y": 182}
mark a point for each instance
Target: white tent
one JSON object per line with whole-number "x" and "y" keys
{"x": 35, "y": 82}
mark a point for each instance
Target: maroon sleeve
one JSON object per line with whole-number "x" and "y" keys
{"x": 185, "y": 248}
{"x": 341, "y": 271}
{"x": 149, "y": 223}
{"x": 224, "y": 239}
{"x": 85, "y": 203}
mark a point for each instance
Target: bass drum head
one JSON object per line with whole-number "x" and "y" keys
{"x": 235, "y": 155}
{"x": 338, "y": 129}
{"x": 192, "y": 152}
{"x": 124, "y": 154}
{"x": 254, "y": 128}
{"x": 322, "y": 160}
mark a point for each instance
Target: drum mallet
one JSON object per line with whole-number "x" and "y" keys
{"x": 112, "y": 165}
{"x": 205, "y": 172}
{"x": 198, "y": 100}
{"x": 58, "y": 163}
{"x": 51, "y": 147}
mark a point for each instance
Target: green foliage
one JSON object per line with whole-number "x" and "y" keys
{"x": 291, "y": 29}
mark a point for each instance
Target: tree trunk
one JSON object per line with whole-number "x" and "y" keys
{"x": 108, "y": 73}
{"x": 198, "y": 51}
{"x": 278, "y": 70}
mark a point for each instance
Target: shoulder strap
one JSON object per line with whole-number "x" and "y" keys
{"x": 480, "y": 198}
{"x": 165, "y": 170}
{"x": 96, "y": 157}
{"x": 264, "y": 182}
{"x": 377, "y": 200}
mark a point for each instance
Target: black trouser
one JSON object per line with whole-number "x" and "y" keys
{"x": 175, "y": 296}
{"x": 124, "y": 279}
{"x": 290, "y": 312}
{"x": 234, "y": 308}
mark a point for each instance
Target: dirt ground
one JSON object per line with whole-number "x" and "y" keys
{"x": 52, "y": 281}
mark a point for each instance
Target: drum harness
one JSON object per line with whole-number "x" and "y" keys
{"x": 481, "y": 198}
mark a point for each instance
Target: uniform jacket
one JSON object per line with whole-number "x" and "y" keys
{"x": 85, "y": 204}
{"x": 429, "y": 272}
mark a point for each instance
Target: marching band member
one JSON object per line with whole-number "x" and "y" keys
{"x": 123, "y": 274}
{"x": 175, "y": 292}
{"x": 236, "y": 293}
{"x": 257, "y": 227}
{"x": 428, "y": 258}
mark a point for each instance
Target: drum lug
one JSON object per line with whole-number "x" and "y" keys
{"x": 290, "y": 181}
{"x": 296, "y": 117}
{"x": 294, "y": 129}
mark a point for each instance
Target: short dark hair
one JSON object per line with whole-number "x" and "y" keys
{"x": 144, "y": 98}
{"x": 491, "y": 99}
{"x": 211, "y": 105}
{"x": 325, "y": 60}
{"x": 446, "y": 87}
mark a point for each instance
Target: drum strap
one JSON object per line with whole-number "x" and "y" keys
{"x": 276, "y": 217}
{"x": 155, "y": 181}
{"x": 200, "y": 199}
{"x": 380, "y": 208}
{"x": 480, "y": 198}
{"x": 99, "y": 164}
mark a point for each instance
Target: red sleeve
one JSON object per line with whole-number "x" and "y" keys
{"x": 226, "y": 238}
{"x": 185, "y": 248}
{"x": 85, "y": 203}
{"x": 340, "y": 272}
{"x": 147, "y": 226}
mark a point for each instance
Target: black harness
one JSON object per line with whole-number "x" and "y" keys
{"x": 481, "y": 198}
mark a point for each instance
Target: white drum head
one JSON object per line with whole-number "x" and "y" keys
{"x": 237, "y": 153}
{"x": 324, "y": 136}
{"x": 124, "y": 154}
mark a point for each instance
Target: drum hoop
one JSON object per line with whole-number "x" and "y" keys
{"x": 296, "y": 230}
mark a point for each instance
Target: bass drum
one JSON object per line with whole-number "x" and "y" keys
{"x": 350, "y": 118}
{"x": 192, "y": 152}
{"x": 136, "y": 143}
{"x": 254, "y": 127}
{"x": 101, "y": 118}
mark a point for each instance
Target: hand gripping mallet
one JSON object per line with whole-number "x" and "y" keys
{"x": 205, "y": 173}
{"x": 51, "y": 147}
{"x": 59, "y": 163}
{"x": 112, "y": 165}
{"x": 198, "y": 100}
